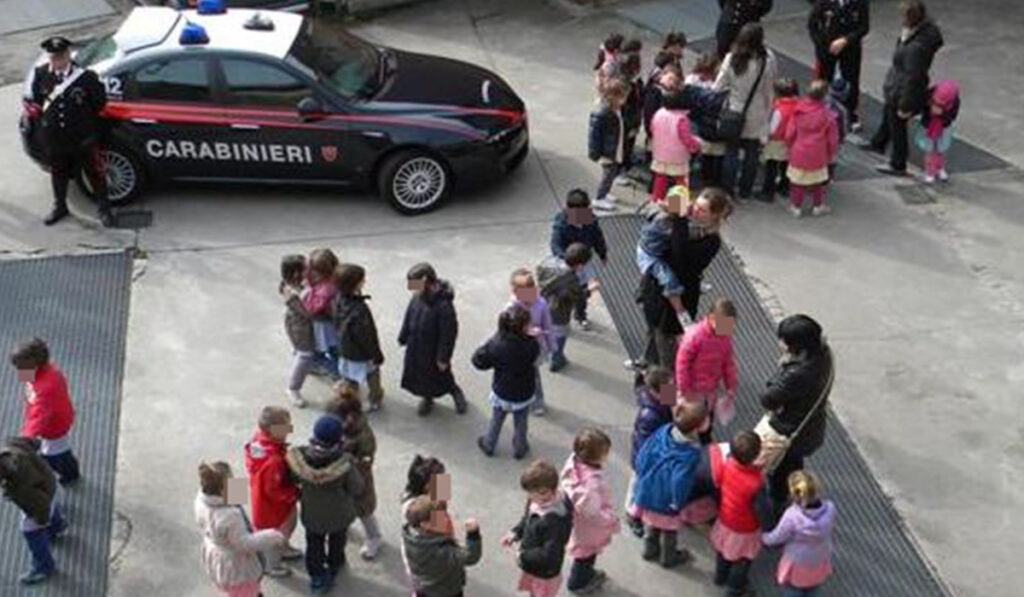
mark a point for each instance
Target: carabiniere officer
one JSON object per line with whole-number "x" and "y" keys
{"x": 69, "y": 99}
{"x": 837, "y": 28}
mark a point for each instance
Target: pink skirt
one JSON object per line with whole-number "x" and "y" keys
{"x": 803, "y": 576}
{"x": 658, "y": 520}
{"x": 540, "y": 587}
{"x": 735, "y": 546}
{"x": 700, "y": 511}
{"x": 249, "y": 589}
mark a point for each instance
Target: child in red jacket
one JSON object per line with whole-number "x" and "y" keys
{"x": 705, "y": 359}
{"x": 48, "y": 410}
{"x": 272, "y": 496}
{"x": 776, "y": 154}
{"x": 736, "y": 536}
{"x": 812, "y": 136}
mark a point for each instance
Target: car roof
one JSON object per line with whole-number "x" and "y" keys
{"x": 159, "y": 27}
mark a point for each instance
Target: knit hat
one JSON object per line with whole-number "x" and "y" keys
{"x": 328, "y": 430}
{"x": 945, "y": 92}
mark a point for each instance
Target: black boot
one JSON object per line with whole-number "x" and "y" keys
{"x": 671, "y": 555}
{"x": 460, "y": 401}
{"x": 426, "y": 405}
{"x": 652, "y": 544}
{"x": 58, "y": 213}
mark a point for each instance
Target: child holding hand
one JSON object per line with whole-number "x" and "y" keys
{"x": 806, "y": 531}
{"x": 736, "y": 535}
{"x": 705, "y": 359}
{"x": 542, "y": 533}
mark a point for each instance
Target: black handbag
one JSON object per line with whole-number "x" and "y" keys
{"x": 730, "y": 122}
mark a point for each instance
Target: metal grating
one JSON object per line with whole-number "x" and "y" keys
{"x": 874, "y": 553}
{"x": 79, "y": 305}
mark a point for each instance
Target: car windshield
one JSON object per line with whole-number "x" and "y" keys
{"x": 346, "y": 63}
{"x": 98, "y": 50}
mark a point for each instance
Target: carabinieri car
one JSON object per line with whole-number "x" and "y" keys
{"x": 271, "y": 97}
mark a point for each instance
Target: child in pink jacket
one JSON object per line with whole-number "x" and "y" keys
{"x": 672, "y": 143}
{"x": 705, "y": 359}
{"x": 594, "y": 518}
{"x": 813, "y": 140}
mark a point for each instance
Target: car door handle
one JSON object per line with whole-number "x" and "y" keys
{"x": 144, "y": 121}
{"x": 245, "y": 127}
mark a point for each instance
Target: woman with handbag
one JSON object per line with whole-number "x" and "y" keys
{"x": 748, "y": 74}
{"x": 794, "y": 427}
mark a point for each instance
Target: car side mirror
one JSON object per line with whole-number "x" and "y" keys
{"x": 310, "y": 109}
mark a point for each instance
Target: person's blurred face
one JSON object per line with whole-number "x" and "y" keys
{"x": 60, "y": 60}
{"x": 544, "y": 496}
{"x": 670, "y": 80}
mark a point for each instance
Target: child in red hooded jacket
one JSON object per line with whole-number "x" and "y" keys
{"x": 813, "y": 140}
{"x": 776, "y": 154}
{"x": 736, "y": 536}
{"x": 272, "y": 496}
{"x": 48, "y": 410}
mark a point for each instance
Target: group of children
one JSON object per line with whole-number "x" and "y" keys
{"x": 678, "y": 114}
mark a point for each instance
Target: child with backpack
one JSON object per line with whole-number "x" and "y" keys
{"x": 318, "y": 303}
{"x": 541, "y": 535}
{"x": 705, "y": 359}
{"x": 577, "y": 224}
{"x": 813, "y": 140}
{"x": 360, "y": 357}
{"x": 330, "y": 482}
{"x": 776, "y": 154}
{"x": 736, "y": 534}
{"x": 558, "y": 278}
{"x": 594, "y": 519}
{"x": 933, "y": 131}
{"x": 361, "y": 443}
{"x": 298, "y": 325}
{"x": 672, "y": 145}
{"x": 806, "y": 532}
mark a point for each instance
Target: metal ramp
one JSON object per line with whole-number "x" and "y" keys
{"x": 875, "y": 556}
{"x": 79, "y": 305}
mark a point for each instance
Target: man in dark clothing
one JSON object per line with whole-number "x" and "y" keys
{"x": 69, "y": 99}
{"x": 837, "y": 28}
{"x": 736, "y": 14}
{"x": 906, "y": 84}
{"x": 29, "y": 484}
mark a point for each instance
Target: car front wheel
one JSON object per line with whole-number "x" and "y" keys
{"x": 414, "y": 182}
{"x": 126, "y": 178}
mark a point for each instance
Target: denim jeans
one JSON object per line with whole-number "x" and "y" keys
{"x": 325, "y": 554}
{"x": 519, "y": 422}
{"x": 751, "y": 149}
{"x": 581, "y": 573}
{"x": 788, "y": 591}
{"x": 660, "y": 270}
{"x": 538, "y": 396}
{"x": 608, "y": 174}
{"x": 561, "y": 337}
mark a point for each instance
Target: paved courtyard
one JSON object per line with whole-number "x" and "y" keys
{"x": 923, "y": 304}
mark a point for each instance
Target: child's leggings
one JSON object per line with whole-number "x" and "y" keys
{"x": 663, "y": 182}
{"x": 933, "y": 162}
{"x": 796, "y": 194}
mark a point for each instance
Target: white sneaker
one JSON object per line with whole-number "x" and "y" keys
{"x": 795, "y": 211}
{"x": 605, "y": 204}
{"x": 290, "y": 553}
{"x": 929, "y": 179}
{"x": 821, "y": 210}
{"x": 943, "y": 175}
{"x": 370, "y": 549}
{"x": 280, "y": 571}
{"x": 296, "y": 398}
{"x": 611, "y": 198}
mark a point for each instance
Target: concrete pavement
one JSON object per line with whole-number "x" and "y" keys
{"x": 921, "y": 303}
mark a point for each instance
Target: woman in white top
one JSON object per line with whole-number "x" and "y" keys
{"x": 747, "y": 71}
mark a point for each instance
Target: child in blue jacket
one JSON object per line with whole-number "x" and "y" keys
{"x": 607, "y": 139}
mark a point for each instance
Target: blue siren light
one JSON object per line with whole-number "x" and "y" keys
{"x": 193, "y": 35}
{"x": 211, "y": 7}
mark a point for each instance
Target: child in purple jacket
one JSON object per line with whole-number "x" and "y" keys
{"x": 525, "y": 294}
{"x": 806, "y": 531}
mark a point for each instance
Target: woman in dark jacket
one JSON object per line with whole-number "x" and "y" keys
{"x": 906, "y": 84}
{"x": 797, "y": 392}
{"x": 428, "y": 334}
{"x": 361, "y": 357}
{"x": 512, "y": 353}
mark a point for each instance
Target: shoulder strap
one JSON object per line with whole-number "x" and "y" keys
{"x": 60, "y": 89}
{"x": 757, "y": 81}
{"x": 821, "y": 398}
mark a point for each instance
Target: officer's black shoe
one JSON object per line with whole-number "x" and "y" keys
{"x": 56, "y": 215}
{"x": 107, "y": 218}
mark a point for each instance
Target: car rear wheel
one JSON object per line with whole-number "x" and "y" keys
{"x": 126, "y": 178}
{"x": 414, "y": 181}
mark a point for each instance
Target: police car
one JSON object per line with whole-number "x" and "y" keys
{"x": 270, "y": 97}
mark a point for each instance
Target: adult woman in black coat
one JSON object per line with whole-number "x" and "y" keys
{"x": 798, "y": 392}
{"x": 906, "y": 84}
{"x": 428, "y": 334}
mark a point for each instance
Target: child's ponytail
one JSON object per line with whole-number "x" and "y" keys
{"x": 804, "y": 487}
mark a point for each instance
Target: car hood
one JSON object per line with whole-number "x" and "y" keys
{"x": 433, "y": 80}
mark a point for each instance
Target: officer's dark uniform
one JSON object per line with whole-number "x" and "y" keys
{"x": 736, "y": 14}
{"x": 71, "y": 130}
{"x": 830, "y": 20}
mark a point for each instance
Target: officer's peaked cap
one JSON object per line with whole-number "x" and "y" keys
{"x": 55, "y": 44}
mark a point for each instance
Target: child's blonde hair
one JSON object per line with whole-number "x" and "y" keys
{"x": 804, "y": 487}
